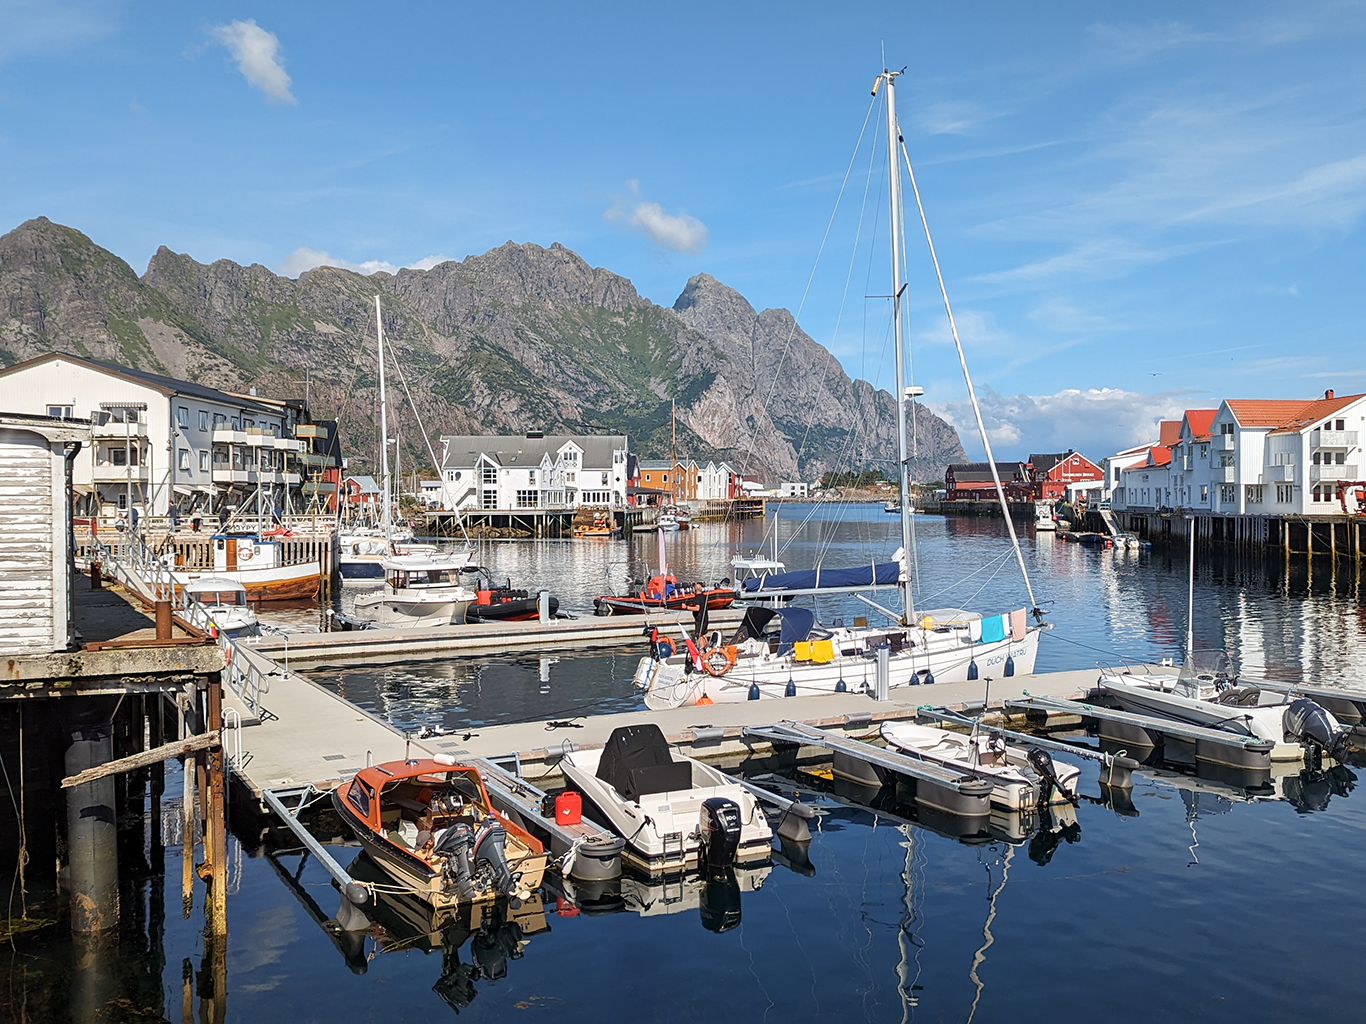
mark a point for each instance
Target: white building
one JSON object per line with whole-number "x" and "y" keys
{"x": 1253, "y": 457}
{"x": 36, "y": 458}
{"x": 717, "y": 480}
{"x": 158, "y": 442}
{"x": 794, "y": 489}
{"x": 533, "y": 471}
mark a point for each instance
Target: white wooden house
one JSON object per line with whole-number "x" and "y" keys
{"x": 533, "y": 471}
{"x": 36, "y": 455}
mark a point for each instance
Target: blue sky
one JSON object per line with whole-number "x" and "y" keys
{"x": 1138, "y": 207}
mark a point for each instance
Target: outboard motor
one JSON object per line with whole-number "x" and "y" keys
{"x": 719, "y": 829}
{"x": 489, "y": 855}
{"x": 455, "y": 844}
{"x": 1310, "y": 723}
{"x": 1042, "y": 764}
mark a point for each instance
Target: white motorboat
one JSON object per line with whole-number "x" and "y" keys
{"x": 667, "y": 522}
{"x": 674, "y": 812}
{"x": 1019, "y": 781}
{"x": 780, "y": 652}
{"x": 942, "y": 645}
{"x": 1043, "y": 516}
{"x": 1206, "y": 692}
{"x": 226, "y": 602}
{"x": 420, "y": 591}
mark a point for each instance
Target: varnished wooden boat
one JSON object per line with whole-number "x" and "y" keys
{"x": 429, "y": 824}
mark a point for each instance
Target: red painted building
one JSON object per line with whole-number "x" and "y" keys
{"x": 971, "y": 481}
{"x": 1050, "y": 474}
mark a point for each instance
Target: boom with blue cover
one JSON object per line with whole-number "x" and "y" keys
{"x": 880, "y": 574}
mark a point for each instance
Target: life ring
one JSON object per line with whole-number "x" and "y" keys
{"x": 717, "y": 661}
{"x": 245, "y": 552}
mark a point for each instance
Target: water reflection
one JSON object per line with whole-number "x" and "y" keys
{"x": 715, "y": 896}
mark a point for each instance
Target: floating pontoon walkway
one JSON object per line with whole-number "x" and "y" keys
{"x": 557, "y": 635}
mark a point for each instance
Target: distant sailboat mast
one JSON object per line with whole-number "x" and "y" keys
{"x": 898, "y": 290}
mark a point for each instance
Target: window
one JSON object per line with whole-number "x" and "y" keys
{"x": 249, "y": 424}
{"x": 604, "y": 479}
{"x": 528, "y": 499}
{"x": 1228, "y": 493}
{"x": 665, "y": 478}
{"x": 1340, "y": 425}
{"x": 531, "y": 476}
{"x": 1254, "y": 494}
{"x": 182, "y": 417}
{"x": 123, "y": 501}
{"x": 59, "y": 412}
{"x": 1285, "y": 493}
{"x": 118, "y": 456}
{"x": 203, "y": 462}
{"x": 203, "y": 419}
{"x": 1316, "y": 494}
{"x": 1204, "y": 451}
{"x": 1340, "y": 457}
{"x": 1204, "y": 493}
{"x": 488, "y": 499}
{"x": 489, "y": 475}
{"x": 220, "y": 457}
{"x": 219, "y": 421}
{"x": 236, "y": 423}
{"x": 1314, "y": 458}
{"x": 1226, "y": 428}
{"x": 183, "y": 464}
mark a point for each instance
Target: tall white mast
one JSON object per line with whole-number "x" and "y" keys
{"x": 898, "y": 288}
{"x": 383, "y": 428}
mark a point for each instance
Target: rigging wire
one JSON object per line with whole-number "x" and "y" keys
{"x": 972, "y": 394}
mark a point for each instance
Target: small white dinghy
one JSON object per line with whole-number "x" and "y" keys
{"x": 1019, "y": 776}
{"x": 673, "y": 811}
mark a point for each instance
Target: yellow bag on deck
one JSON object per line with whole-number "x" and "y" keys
{"x": 801, "y": 650}
{"x": 822, "y": 651}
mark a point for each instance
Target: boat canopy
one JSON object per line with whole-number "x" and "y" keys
{"x": 797, "y": 624}
{"x": 879, "y": 574}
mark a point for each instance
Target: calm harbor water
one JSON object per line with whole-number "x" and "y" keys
{"x": 1195, "y": 900}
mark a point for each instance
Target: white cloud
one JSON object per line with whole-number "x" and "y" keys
{"x": 257, "y": 53}
{"x": 678, "y": 232}
{"x": 303, "y": 259}
{"x": 1096, "y": 423}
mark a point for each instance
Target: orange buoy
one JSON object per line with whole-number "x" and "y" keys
{"x": 703, "y": 701}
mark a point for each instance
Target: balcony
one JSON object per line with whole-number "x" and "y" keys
{"x": 1333, "y": 439}
{"x": 113, "y": 431}
{"x": 311, "y": 430}
{"x": 231, "y": 476}
{"x": 226, "y": 435}
{"x": 107, "y": 473}
{"x": 1223, "y": 474}
{"x": 1222, "y": 442}
{"x": 1278, "y": 474}
{"x": 288, "y": 444}
{"x": 311, "y": 461}
{"x": 1317, "y": 473}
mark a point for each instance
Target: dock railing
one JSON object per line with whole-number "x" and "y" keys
{"x": 150, "y": 578}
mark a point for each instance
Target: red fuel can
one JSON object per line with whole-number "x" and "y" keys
{"x": 568, "y": 808}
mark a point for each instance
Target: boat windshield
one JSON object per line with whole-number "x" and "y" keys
{"x": 1209, "y": 668}
{"x": 405, "y": 578}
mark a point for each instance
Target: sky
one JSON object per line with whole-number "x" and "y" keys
{"x": 1138, "y": 207}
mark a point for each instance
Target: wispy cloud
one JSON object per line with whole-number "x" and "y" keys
{"x": 677, "y": 232}
{"x": 257, "y": 53}
{"x": 303, "y": 259}
{"x": 47, "y": 26}
{"x": 1096, "y": 422}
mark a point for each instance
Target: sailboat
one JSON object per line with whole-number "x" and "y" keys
{"x": 780, "y": 651}
{"x": 424, "y": 588}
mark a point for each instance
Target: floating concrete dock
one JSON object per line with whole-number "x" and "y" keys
{"x": 558, "y": 636}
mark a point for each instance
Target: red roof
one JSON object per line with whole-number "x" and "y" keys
{"x": 1159, "y": 455}
{"x": 1265, "y": 412}
{"x": 1169, "y": 432}
{"x": 1199, "y": 421}
{"x": 1313, "y": 411}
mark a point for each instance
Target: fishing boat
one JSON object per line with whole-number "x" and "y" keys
{"x": 1021, "y": 778}
{"x": 667, "y": 522}
{"x": 1043, "y": 516}
{"x": 226, "y": 602}
{"x": 429, "y": 824}
{"x": 256, "y": 562}
{"x": 674, "y": 812}
{"x": 793, "y": 655}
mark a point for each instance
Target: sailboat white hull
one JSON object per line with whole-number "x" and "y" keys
{"x": 946, "y": 658}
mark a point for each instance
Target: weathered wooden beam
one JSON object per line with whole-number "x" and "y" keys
{"x": 175, "y": 748}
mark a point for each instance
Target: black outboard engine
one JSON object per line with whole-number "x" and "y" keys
{"x": 719, "y": 829}
{"x": 489, "y": 855}
{"x": 455, "y": 844}
{"x": 1042, "y": 764}
{"x": 1310, "y": 723}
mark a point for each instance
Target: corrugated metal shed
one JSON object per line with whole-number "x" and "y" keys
{"x": 35, "y": 525}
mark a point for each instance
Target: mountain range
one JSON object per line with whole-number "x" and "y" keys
{"x": 519, "y": 338}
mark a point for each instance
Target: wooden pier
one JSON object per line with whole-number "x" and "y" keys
{"x": 1337, "y": 537}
